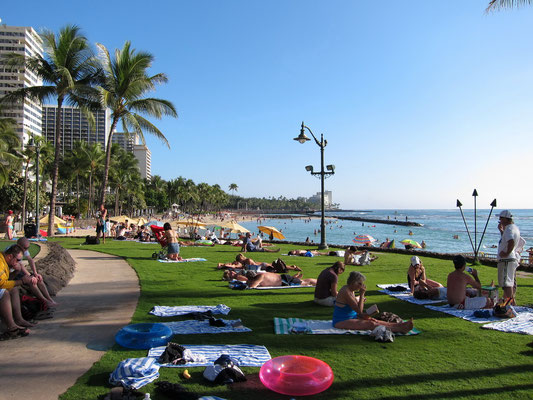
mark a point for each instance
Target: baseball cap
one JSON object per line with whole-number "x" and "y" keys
{"x": 10, "y": 212}
{"x": 506, "y": 214}
{"x": 415, "y": 260}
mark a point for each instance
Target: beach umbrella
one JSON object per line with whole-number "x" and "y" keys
{"x": 271, "y": 231}
{"x": 57, "y": 221}
{"x": 190, "y": 223}
{"x": 141, "y": 221}
{"x": 391, "y": 245}
{"x": 121, "y": 218}
{"x": 154, "y": 222}
{"x": 411, "y": 242}
{"x": 363, "y": 240}
{"x": 233, "y": 227}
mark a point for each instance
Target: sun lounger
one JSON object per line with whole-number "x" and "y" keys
{"x": 406, "y": 296}
{"x": 247, "y": 355}
{"x": 192, "y": 327}
{"x": 172, "y": 311}
{"x": 286, "y": 326}
{"x": 182, "y": 261}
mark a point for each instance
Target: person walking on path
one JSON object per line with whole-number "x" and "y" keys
{"x": 509, "y": 250}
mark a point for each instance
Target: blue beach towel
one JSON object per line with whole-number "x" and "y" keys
{"x": 135, "y": 372}
{"x": 192, "y": 327}
{"x": 172, "y": 311}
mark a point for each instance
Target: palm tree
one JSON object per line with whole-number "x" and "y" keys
{"x": 499, "y": 4}
{"x": 67, "y": 69}
{"x": 93, "y": 157}
{"x": 123, "y": 87}
{"x": 125, "y": 169}
{"x": 233, "y": 187}
{"x": 9, "y": 145}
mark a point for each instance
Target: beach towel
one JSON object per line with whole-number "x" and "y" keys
{"x": 522, "y": 323}
{"x": 191, "y": 327}
{"x": 406, "y": 296}
{"x": 247, "y": 355}
{"x": 172, "y": 311}
{"x": 469, "y": 314}
{"x": 182, "y": 261}
{"x": 135, "y": 372}
{"x": 286, "y": 326}
{"x": 282, "y": 287}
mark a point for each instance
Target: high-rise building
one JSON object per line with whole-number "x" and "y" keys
{"x": 144, "y": 156}
{"x": 26, "y": 41}
{"x": 75, "y": 126}
{"x": 127, "y": 142}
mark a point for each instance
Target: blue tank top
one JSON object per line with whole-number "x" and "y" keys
{"x": 342, "y": 314}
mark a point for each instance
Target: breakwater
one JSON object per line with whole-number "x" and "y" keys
{"x": 377, "y": 220}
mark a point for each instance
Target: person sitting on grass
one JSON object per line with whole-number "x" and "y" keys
{"x": 173, "y": 247}
{"x": 354, "y": 257}
{"x": 457, "y": 291}
{"x": 10, "y": 311}
{"x": 348, "y": 312}
{"x": 326, "y": 284}
{"x": 416, "y": 276}
{"x": 248, "y": 245}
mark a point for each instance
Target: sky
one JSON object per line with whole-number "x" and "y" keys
{"x": 420, "y": 101}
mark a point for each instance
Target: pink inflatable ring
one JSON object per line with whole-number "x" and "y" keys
{"x": 296, "y": 375}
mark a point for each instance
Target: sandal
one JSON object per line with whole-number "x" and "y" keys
{"x": 14, "y": 334}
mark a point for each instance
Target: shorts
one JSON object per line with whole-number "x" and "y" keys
{"x": 2, "y": 292}
{"x": 100, "y": 229}
{"x": 173, "y": 248}
{"x": 328, "y": 301}
{"x": 288, "y": 280}
{"x": 472, "y": 303}
{"x": 507, "y": 273}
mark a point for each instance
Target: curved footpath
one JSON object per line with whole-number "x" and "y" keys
{"x": 99, "y": 300}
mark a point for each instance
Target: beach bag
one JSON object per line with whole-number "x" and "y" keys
{"x": 280, "y": 266}
{"x": 92, "y": 240}
{"x": 504, "y": 309}
{"x": 224, "y": 371}
{"x": 31, "y": 306}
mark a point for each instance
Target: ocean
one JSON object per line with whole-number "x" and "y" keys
{"x": 438, "y": 230}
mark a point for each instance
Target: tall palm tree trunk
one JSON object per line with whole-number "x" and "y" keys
{"x": 24, "y": 197}
{"x": 116, "y": 201}
{"x": 107, "y": 160}
{"x": 78, "y": 194}
{"x": 55, "y": 170}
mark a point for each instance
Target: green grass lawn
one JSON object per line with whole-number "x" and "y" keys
{"x": 451, "y": 358}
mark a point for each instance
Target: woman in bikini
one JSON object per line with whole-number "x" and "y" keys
{"x": 173, "y": 247}
{"x": 348, "y": 312}
{"x": 416, "y": 277}
{"x": 9, "y": 224}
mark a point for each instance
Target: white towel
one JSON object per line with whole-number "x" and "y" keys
{"x": 135, "y": 372}
{"x": 247, "y": 355}
{"x": 522, "y": 323}
{"x": 172, "y": 311}
{"x": 406, "y": 296}
{"x": 469, "y": 314}
{"x": 182, "y": 261}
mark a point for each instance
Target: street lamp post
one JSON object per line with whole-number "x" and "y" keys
{"x": 37, "y": 146}
{"x": 302, "y": 138}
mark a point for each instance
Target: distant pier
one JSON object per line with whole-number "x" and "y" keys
{"x": 377, "y": 221}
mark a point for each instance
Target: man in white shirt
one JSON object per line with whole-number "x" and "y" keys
{"x": 508, "y": 258}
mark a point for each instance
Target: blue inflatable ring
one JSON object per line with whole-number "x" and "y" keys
{"x": 143, "y": 336}
{"x": 296, "y": 375}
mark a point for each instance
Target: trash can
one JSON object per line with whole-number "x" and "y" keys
{"x": 30, "y": 230}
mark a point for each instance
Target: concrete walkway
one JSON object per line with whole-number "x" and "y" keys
{"x": 98, "y": 301}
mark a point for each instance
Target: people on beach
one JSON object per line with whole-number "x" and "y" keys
{"x": 348, "y": 312}
{"x": 101, "y": 216}
{"x": 242, "y": 262}
{"x": 416, "y": 276}
{"x": 326, "y": 284}
{"x": 173, "y": 247}
{"x": 38, "y": 287}
{"x": 509, "y": 249}
{"x": 10, "y": 311}
{"x": 248, "y": 245}
{"x": 267, "y": 279}
{"x": 307, "y": 253}
{"x": 457, "y": 284}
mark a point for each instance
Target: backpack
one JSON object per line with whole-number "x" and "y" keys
{"x": 92, "y": 240}
{"x": 31, "y": 306}
{"x": 279, "y": 266}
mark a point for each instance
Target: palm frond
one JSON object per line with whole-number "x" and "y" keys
{"x": 500, "y": 4}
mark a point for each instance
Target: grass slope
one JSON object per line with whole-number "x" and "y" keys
{"x": 451, "y": 359}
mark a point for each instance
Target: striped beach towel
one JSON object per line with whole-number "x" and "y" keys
{"x": 135, "y": 372}
{"x": 286, "y": 326}
{"x": 191, "y": 327}
{"x": 469, "y": 314}
{"x": 406, "y": 296}
{"x": 172, "y": 311}
{"x": 247, "y": 355}
{"x": 185, "y": 260}
{"x": 282, "y": 287}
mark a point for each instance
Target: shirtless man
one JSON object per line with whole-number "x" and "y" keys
{"x": 271, "y": 279}
{"x": 242, "y": 262}
{"x": 457, "y": 292}
{"x": 303, "y": 253}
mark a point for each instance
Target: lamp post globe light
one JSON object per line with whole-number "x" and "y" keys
{"x": 302, "y": 138}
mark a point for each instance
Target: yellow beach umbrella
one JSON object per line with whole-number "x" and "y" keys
{"x": 233, "y": 227}
{"x": 121, "y": 218}
{"x": 271, "y": 231}
{"x": 57, "y": 221}
{"x": 141, "y": 221}
{"x": 190, "y": 223}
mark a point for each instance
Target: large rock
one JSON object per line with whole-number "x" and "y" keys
{"x": 57, "y": 267}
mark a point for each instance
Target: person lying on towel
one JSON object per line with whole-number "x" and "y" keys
{"x": 268, "y": 279}
{"x": 348, "y": 311}
{"x": 457, "y": 291}
{"x": 242, "y": 262}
